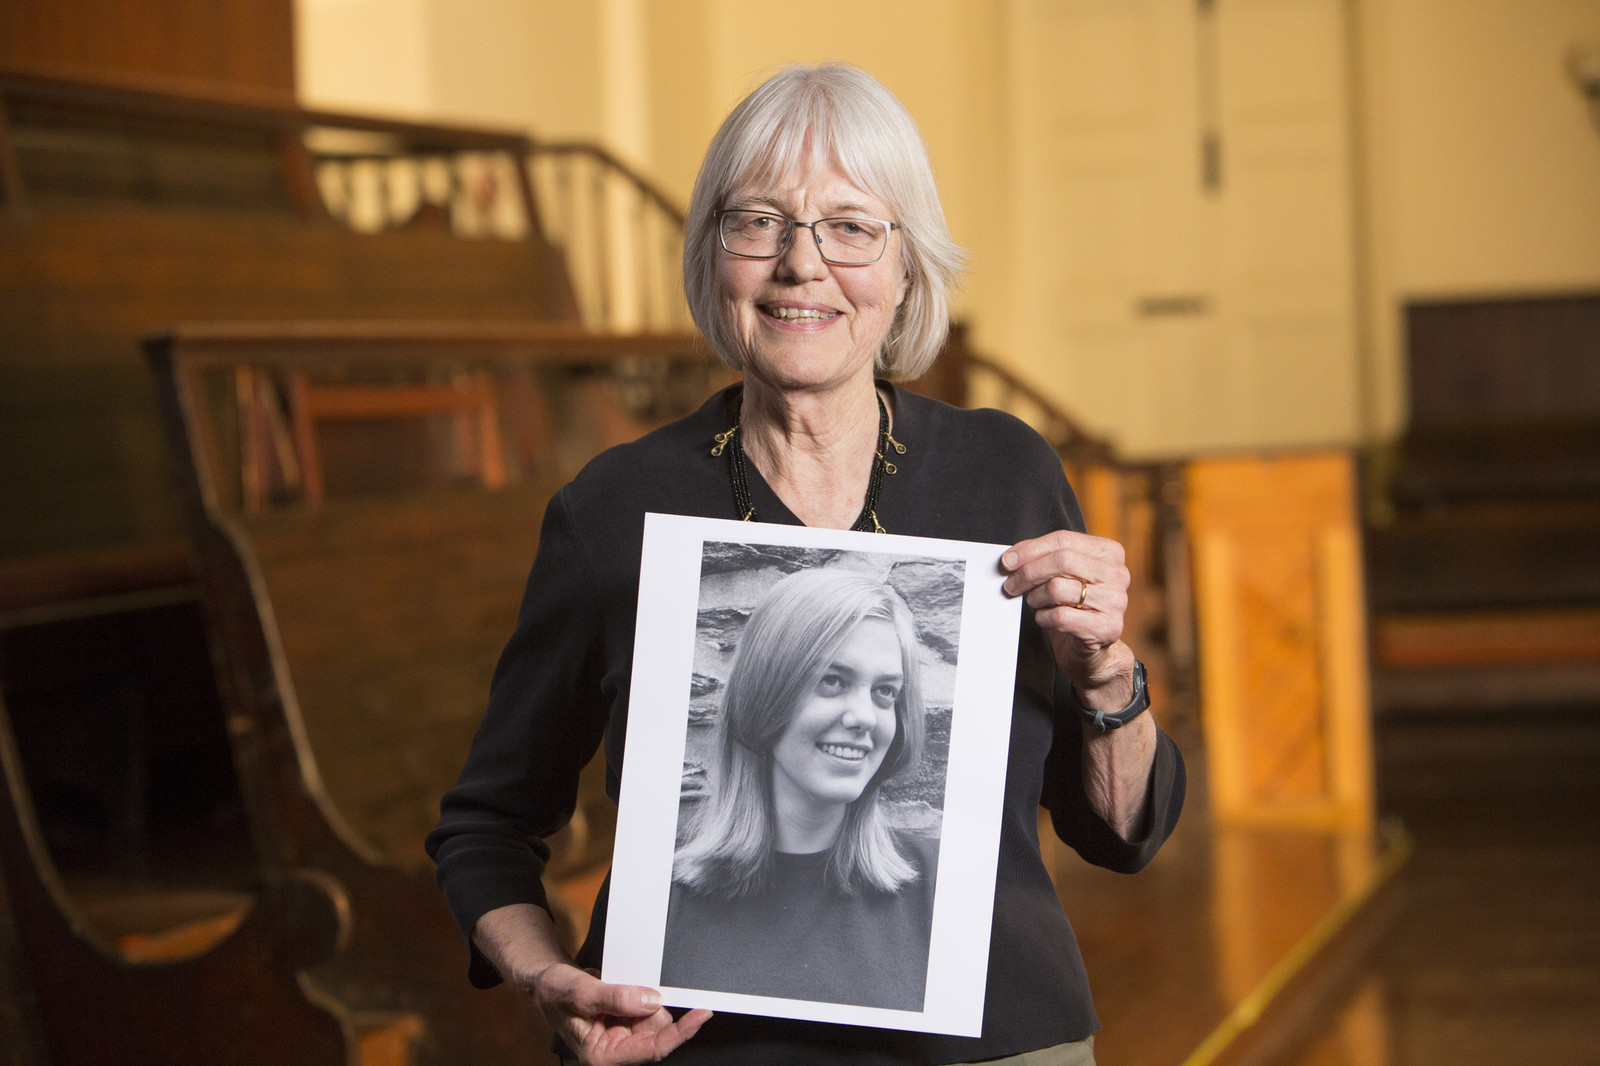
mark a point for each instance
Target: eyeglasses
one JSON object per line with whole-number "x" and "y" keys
{"x": 840, "y": 241}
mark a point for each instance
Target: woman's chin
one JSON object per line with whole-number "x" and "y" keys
{"x": 843, "y": 789}
{"x": 791, "y": 368}
{"x": 824, "y": 797}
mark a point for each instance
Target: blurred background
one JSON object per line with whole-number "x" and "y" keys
{"x": 1197, "y": 224}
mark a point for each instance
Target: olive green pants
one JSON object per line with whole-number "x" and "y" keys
{"x": 1077, "y": 1053}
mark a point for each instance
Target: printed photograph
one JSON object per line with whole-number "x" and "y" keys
{"x": 811, "y": 808}
{"x": 816, "y": 757}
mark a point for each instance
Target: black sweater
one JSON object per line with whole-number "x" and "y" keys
{"x": 802, "y": 938}
{"x": 562, "y": 686}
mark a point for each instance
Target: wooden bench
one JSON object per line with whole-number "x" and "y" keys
{"x": 355, "y": 635}
{"x": 77, "y": 999}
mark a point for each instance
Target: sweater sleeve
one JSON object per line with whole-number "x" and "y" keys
{"x": 1075, "y": 821}
{"x": 545, "y": 717}
{"x": 1078, "y": 824}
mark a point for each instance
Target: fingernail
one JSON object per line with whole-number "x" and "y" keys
{"x": 649, "y": 999}
{"x": 1009, "y": 560}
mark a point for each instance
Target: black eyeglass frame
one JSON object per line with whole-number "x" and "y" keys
{"x": 717, "y": 215}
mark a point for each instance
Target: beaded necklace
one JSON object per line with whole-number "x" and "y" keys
{"x": 866, "y": 522}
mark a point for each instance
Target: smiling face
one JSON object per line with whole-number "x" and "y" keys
{"x": 844, "y": 724}
{"x": 800, "y": 322}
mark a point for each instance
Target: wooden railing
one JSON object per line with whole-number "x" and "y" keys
{"x": 622, "y": 237}
{"x": 965, "y": 377}
{"x": 154, "y": 123}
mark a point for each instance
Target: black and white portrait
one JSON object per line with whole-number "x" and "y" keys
{"x": 816, "y": 757}
{"x": 814, "y": 769}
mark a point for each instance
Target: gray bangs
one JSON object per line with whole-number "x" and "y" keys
{"x": 825, "y": 128}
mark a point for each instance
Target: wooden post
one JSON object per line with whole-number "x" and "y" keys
{"x": 1285, "y": 705}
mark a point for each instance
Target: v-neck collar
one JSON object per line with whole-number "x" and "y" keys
{"x": 767, "y": 503}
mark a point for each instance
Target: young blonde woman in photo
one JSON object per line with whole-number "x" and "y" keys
{"x": 789, "y": 882}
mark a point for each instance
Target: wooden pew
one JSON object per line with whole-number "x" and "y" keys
{"x": 75, "y": 998}
{"x": 355, "y": 638}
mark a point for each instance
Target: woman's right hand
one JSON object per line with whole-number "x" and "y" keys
{"x": 604, "y": 1025}
{"x": 609, "y": 1024}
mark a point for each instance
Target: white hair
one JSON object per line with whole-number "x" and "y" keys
{"x": 810, "y": 117}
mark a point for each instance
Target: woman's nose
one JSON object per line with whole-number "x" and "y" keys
{"x": 801, "y": 259}
{"x": 857, "y": 715}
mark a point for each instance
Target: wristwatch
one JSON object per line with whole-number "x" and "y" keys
{"x": 1107, "y": 721}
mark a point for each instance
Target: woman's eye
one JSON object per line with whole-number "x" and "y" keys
{"x": 885, "y": 695}
{"x": 831, "y": 684}
{"x": 849, "y": 228}
{"x": 761, "y": 222}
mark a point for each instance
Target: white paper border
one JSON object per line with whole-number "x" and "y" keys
{"x": 658, "y": 719}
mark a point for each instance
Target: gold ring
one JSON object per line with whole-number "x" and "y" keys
{"x": 1083, "y": 597}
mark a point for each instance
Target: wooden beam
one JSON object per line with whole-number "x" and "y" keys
{"x": 1487, "y": 637}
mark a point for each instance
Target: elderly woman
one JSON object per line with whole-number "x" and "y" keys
{"x": 789, "y": 883}
{"x": 818, "y": 263}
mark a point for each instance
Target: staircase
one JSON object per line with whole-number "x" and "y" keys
{"x": 1484, "y": 550}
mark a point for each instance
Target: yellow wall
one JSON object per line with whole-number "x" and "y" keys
{"x": 1473, "y": 166}
{"x": 366, "y": 55}
{"x": 1483, "y": 167}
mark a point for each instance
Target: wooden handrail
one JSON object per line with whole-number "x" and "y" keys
{"x": 646, "y": 187}
{"x": 161, "y": 107}
{"x": 1060, "y": 428}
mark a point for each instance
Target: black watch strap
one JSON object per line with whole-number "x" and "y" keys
{"x": 1107, "y": 721}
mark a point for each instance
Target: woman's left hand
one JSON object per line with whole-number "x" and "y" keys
{"x": 1077, "y": 585}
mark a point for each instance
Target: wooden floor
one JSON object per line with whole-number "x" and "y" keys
{"x": 1483, "y": 949}
{"x": 1184, "y": 954}
{"x": 1295, "y": 948}
{"x": 1494, "y": 953}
